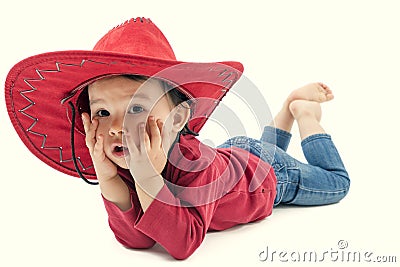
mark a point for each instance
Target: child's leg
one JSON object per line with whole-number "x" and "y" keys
{"x": 284, "y": 119}
{"x": 278, "y": 133}
{"x": 308, "y": 116}
{"x": 324, "y": 179}
{"x": 317, "y": 146}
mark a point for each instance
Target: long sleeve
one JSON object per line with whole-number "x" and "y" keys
{"x": 204, "y": 189}
{"x": 180, "y": 229}
{"x": 122, "y": 224}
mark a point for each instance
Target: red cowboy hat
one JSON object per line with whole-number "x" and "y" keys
{"x": 42, "y": 91}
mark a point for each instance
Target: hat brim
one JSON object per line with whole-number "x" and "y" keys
{"x": 38, "y": 89}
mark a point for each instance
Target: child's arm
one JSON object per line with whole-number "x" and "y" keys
{"x": 122, "y": 224}
{"x": 116, "y": 191}
{"x": 180, "y": 230}
{"x": 151, "y": 188}
{"x": 111, "y": 185}
{"x": 120, "y": 202}
{"x": 147, "y": 160}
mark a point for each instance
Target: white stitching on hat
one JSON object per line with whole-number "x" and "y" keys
{"x": 138, "y": 19}
{"x": 229, "y": 78}
{"x": 58, "y": 64}
{"x": 223, "y": 72}
{"x": 32, "y": 103}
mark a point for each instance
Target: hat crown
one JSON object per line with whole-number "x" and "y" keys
{"x": 137, "y": 36}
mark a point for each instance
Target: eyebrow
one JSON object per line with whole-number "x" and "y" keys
{"x": 91, "y": 102}
{"x": 138, "y": 95}
{"x": 141, "y": 95}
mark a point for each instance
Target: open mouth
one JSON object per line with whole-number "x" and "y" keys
{"x": 119, "y": 150}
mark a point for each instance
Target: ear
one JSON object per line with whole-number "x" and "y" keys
{"x": 181, "y": 115}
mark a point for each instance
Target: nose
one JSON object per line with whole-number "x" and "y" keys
{"x": 116, "y": 128}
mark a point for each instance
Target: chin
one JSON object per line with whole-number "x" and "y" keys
{"x": 120, "y": 163}
{"x": 123, "y": 165}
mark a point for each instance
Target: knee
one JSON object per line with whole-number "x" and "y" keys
{"x": 346, "y": 182}
{"x": 342, "y": 189}
{"x": 345, "y": 187}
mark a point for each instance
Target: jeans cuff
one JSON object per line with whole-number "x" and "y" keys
{"x": 314, "y": 137}
{"x": 283, "y": 133}
{"x": 277, "y": 137}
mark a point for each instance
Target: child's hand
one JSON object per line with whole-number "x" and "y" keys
{"x": 105, "y": 168}
{"x": 147, "y": 160}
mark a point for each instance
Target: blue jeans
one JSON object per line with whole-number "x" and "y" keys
{"x": 324, "y": 180}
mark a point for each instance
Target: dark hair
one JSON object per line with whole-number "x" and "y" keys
{"x": 172, "y": 91}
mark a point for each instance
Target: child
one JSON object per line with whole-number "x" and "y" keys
{"x": 141, "y": 110}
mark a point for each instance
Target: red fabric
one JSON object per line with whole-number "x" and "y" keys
{"x": 137, "y": 37}
{"x": 181, "y": 228}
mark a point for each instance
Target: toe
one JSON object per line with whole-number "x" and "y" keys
{"x": 323, "y": 85}
{"x": 329, "y": 97}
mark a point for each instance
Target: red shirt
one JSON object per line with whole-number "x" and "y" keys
{"x": 219, "y": 188}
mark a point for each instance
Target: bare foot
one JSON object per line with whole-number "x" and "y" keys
{"x": 301, "y": 109}
{"x": 313, "y": 92}
{"x": 308, "y": 115}
{"x": 317, "y": 92}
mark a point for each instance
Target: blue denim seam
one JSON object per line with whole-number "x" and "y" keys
{"x": 321, "y": 191}
{"x": 286, "y": 182}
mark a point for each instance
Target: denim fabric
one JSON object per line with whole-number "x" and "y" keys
{"x": 324, "y": 180}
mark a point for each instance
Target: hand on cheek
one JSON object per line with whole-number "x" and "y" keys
{"x": 148, "y": 159}
{"x": 105, "y": 168}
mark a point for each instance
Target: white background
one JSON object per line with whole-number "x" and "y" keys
{"x": 50, "y": 219}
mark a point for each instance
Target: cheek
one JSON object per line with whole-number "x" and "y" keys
{"x": 102, "y": 128}
{"x": 168, "y": 122}
{"x": 131, "y": 123}
{"x": 161, "y": 112}
{"x": 161, "y": 109}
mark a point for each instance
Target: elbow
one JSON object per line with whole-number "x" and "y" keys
{"x": 136, "y": 244}
{"x": 192, "y": 240}
{"x": 185, "y": 250}
{"x": 183, "y": 254}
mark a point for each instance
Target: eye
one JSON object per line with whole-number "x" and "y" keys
{"x": 135, "y": 109}
{"x": 102, "y": 113}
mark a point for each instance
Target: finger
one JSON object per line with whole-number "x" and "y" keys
{"x": 128, "y": 141}
{"x": 93, "y": 128}
{"x": 87, "y": 124}
{"x": 155, "y": 139}
{"x": 86, "y": 121}
{"x": 164, "y": 137}
{"x": 143, "y": 138}
{"x": 91, "y": 134}
{"x": 160, "y": 125}
{"x": 99, "y": 148}
{"x": 89, "y": 138}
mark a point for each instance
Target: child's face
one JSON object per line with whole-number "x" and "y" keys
{"x": 111, "y": 98}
